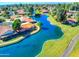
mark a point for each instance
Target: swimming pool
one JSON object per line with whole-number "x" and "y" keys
{"x": 32, "y": 45}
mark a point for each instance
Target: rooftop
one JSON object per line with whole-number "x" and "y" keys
{"x": 27, "y": 25}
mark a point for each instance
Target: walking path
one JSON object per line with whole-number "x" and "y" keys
{"x": 71, "y": 46}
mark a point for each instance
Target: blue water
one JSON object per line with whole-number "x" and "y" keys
{"x": 32, "y": 45}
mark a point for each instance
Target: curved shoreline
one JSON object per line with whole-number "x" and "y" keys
{"x": 38, "y": 28}
{"x": 19, "y": 38}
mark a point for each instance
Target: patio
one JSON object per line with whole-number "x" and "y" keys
{"x": 4, "y": 28}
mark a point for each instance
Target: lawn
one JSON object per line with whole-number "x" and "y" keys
{"x": 57, "y": 47}
{"x": 12, "y": 41}
{"x": 75, "y": 51}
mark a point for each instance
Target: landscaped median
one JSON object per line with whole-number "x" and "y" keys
{"x": 19, "y": 38}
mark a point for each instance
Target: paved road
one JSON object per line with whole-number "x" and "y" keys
{"x": 71, "y": 46}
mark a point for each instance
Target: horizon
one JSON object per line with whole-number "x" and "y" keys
{"x": 12, "y": 3}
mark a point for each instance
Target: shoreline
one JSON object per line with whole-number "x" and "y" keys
{"x": 18, "y": 39}
{"x": 33, "y": 32}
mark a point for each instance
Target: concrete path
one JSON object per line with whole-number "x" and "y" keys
{"x": 71, "y": 46}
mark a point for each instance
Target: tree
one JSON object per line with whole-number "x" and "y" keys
{"x": 16, "y": 25}
{"x": 39, "y": 24}
{"x": 31, "y": 10}
{"x": 61, "y": 15}
{"x": 77, "y": 17}
{"x": 2, "y": 19}
{"x": 75, "y": 6}
{"x": 37, "y": 12}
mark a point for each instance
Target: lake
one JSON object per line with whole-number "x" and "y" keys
{"x": 32, "y": 46}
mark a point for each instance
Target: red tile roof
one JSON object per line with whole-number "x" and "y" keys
{"x": 27, "y": 19}
{"x": 27, "y": 26}
{"x": 20, "y": 11}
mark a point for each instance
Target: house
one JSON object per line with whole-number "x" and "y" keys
{"x": 4, "y": 29}
{"x": 13, "y": 17}
{"x": 27, "y": 26}
{"x": 11, "y": 13}
{"x": 71, "y": 15}
{"x": 44, "y": 11}
{"x": 26, "y": 19}
{"x": 20, "y": 11}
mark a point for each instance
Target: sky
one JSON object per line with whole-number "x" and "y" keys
{"x": 10, "y": 3}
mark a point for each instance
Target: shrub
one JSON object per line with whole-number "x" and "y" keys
{"x": 61, "y": 15}
{"x": 16, "y": 24}
{"x": 39, "y": 23}
{"x": 2, "y": 19}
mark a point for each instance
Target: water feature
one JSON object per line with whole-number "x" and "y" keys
{"x": 32, "y": 45}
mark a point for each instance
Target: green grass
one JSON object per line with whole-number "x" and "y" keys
{"x": 57, "y": 47}
{"x": 75, "y": 51}
{"x": 12, "y": 41}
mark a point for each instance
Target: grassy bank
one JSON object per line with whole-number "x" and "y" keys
{"x": 75, "y": 51}
{"x": 57, "y": 47}
{"x": 12, "y": 41}
{"x": 38, "y": 29}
